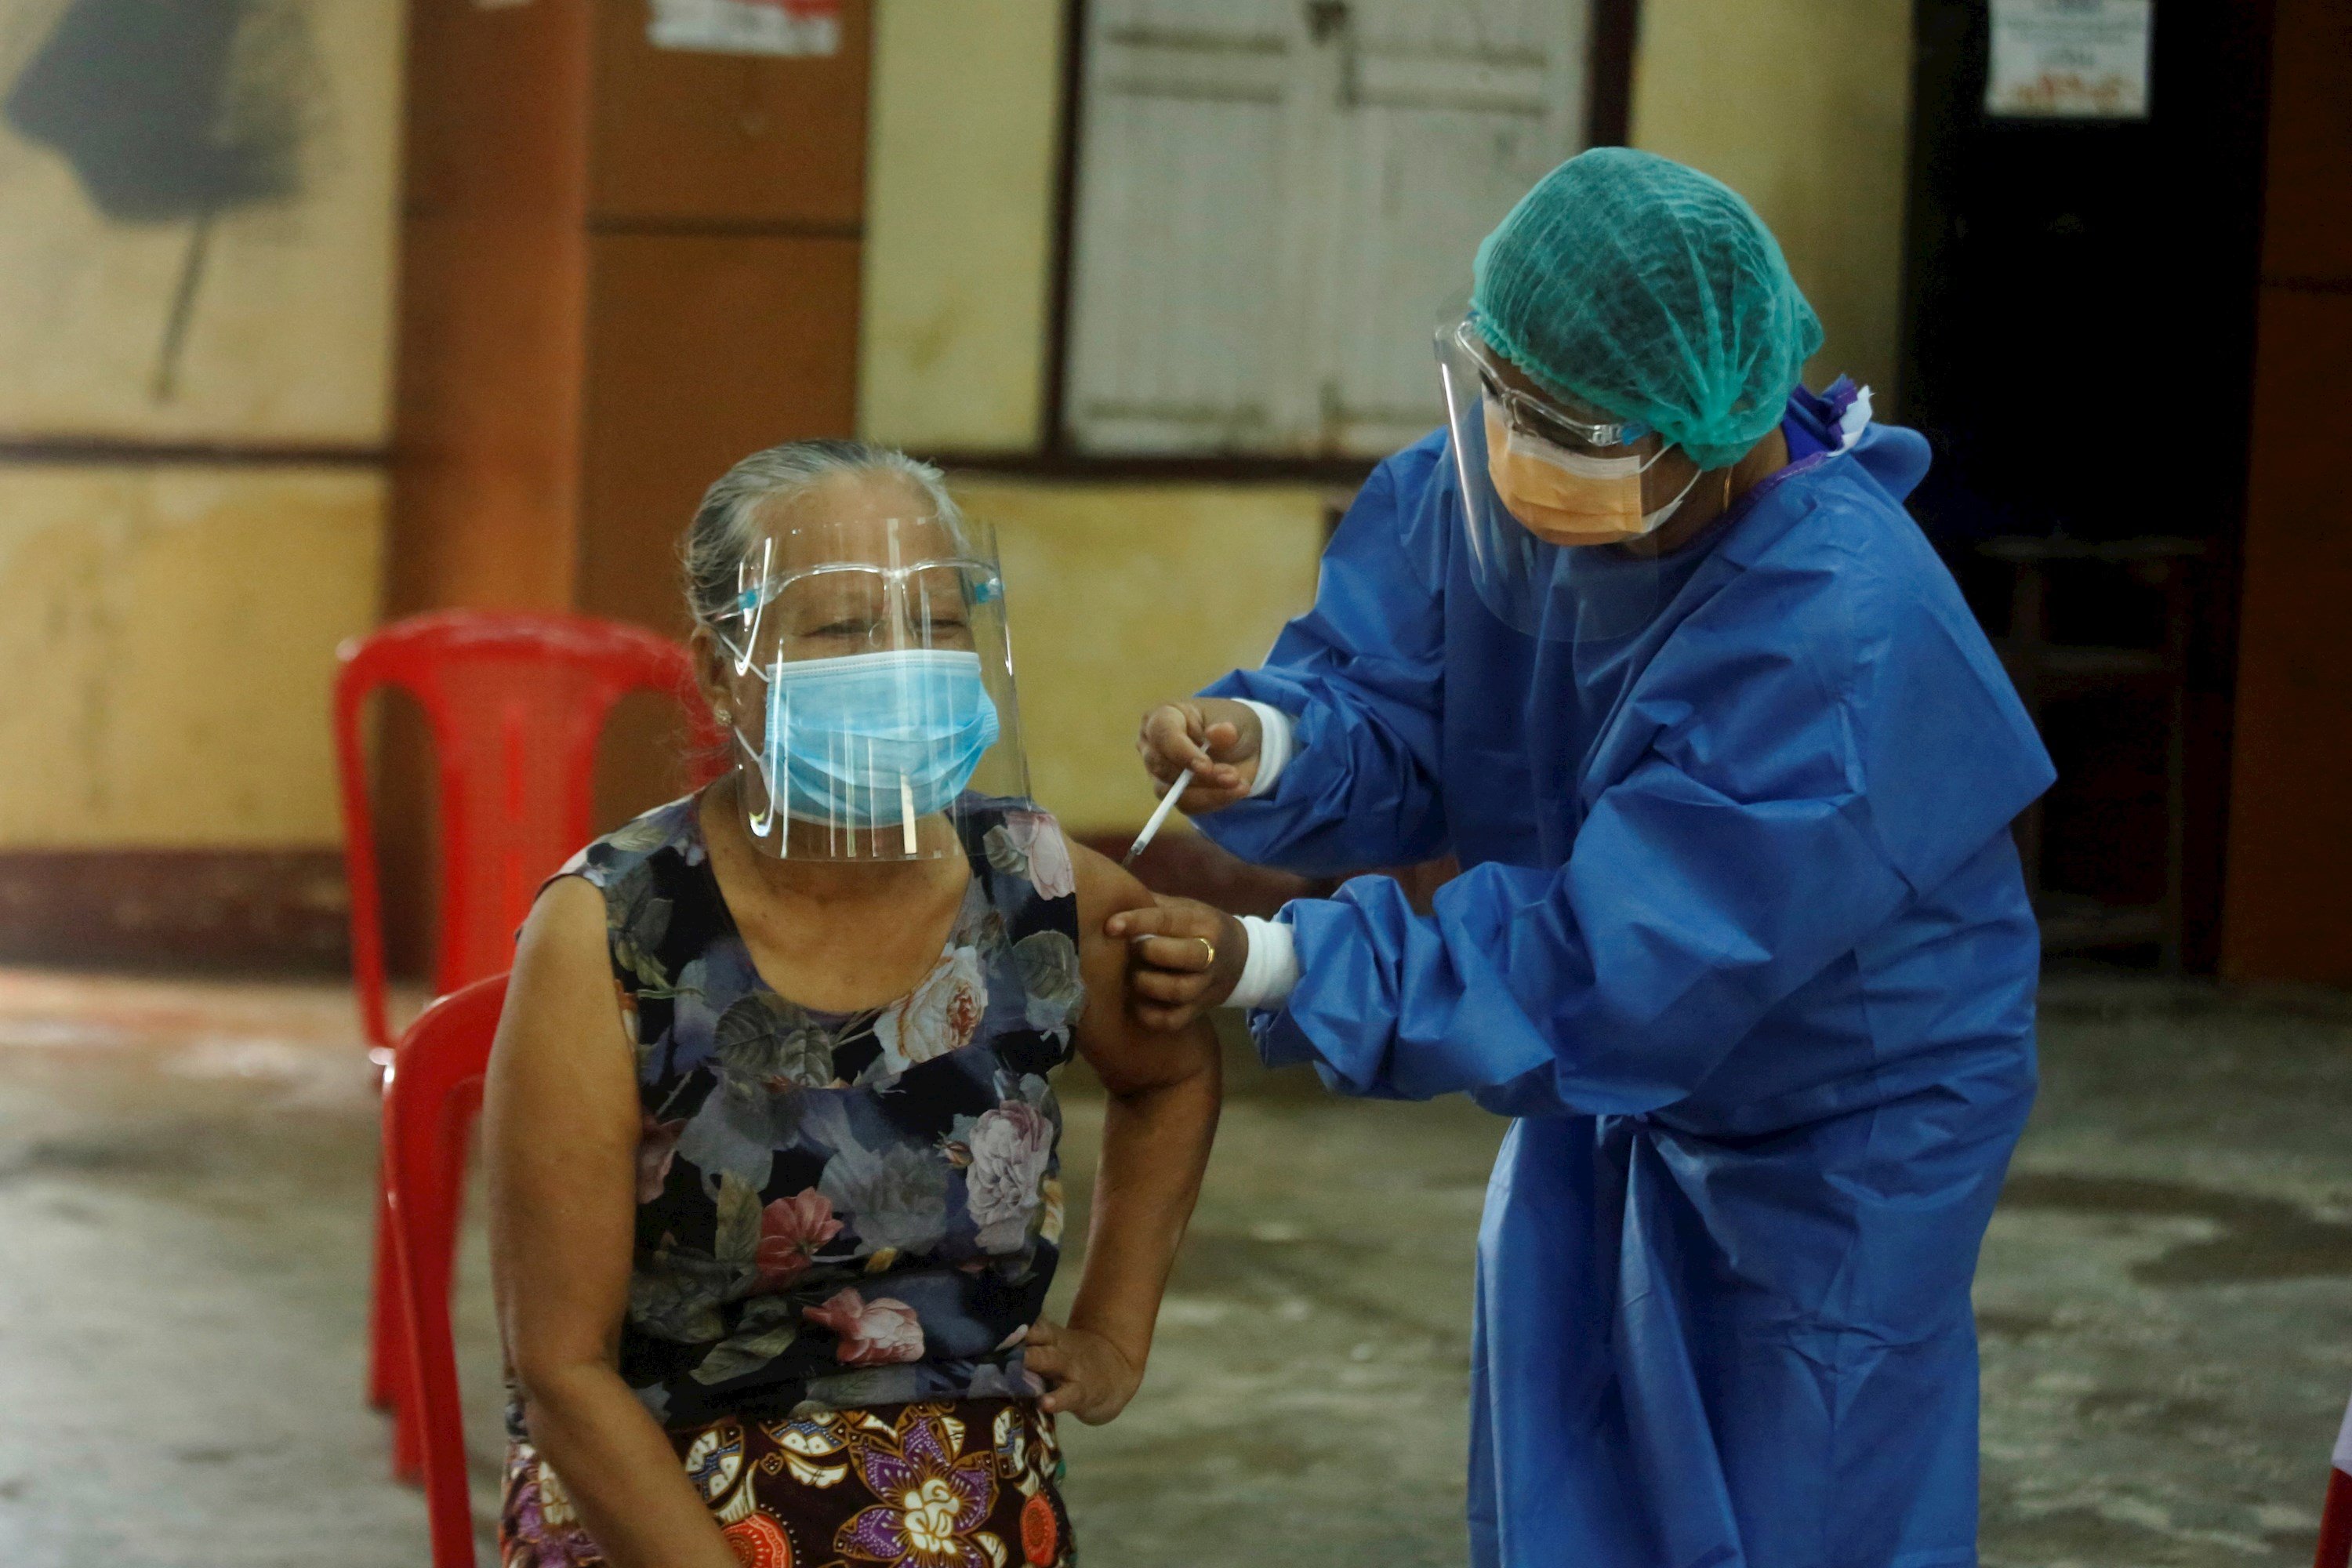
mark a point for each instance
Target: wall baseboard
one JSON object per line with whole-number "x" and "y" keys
{"x": 249, "y": 910}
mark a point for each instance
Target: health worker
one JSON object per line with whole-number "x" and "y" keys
{"x": 1645, "y": 638}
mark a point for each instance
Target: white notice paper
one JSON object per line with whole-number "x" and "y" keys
{"x": 747, "y": 26}
{"x": 2070, "y": 59}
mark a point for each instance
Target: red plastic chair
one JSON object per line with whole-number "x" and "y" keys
{"x": 516, "y": 703}
{"x": 2336, "y": 1514}
{"x": 431, "y": 1097}
{"x": 2335, "y": 1523}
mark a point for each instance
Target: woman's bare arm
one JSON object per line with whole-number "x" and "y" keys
{"x": 1164, "y": 1096}
{"x": 560, "y": 1122}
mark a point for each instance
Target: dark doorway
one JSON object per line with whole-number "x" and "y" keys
{"x": 2078, "y": 345}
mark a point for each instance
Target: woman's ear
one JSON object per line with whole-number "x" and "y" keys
{"x": 714, "y": 671}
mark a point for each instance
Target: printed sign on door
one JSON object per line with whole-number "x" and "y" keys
{"x": 747, "y": 26}
{"x": 2070, "y": 59}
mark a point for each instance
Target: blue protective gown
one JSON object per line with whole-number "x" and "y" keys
{"x": 1741, "y": 942}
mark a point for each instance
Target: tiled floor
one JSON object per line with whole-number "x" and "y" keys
{"x": 184, "y": 1177}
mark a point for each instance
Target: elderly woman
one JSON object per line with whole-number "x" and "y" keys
{"x": 772, "y": 1144}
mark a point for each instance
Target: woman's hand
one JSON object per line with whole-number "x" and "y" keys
{"x": 1214, "y": 738}
{"x": 1183, "y": 958}
{"x": 1087, "y": 1377}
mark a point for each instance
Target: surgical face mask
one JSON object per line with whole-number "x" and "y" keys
{"x": 873, "y": 739}
{"x": 1565, "y": 497}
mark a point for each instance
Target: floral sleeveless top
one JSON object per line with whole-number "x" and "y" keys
{"x": 850, "y": 1209}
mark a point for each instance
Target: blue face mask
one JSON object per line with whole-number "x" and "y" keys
{"x": 865, "y": 739}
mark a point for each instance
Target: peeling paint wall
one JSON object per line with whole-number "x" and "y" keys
{"x": 172, "y": 633}
{"x": 112, "y": 227}
{"x": 196, "y": 217}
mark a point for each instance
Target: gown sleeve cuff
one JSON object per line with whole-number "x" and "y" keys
{"x": 1271, "y": 970}
{"x": 1273, "y": 747}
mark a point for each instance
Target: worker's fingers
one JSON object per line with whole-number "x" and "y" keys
{"x": 1044, "y": 1331}
{"x": 1171, "y": 740}
{"x": 1174, "y": 740}
{"x": 1166, "y": 1019}
{"x": 1185, "y": 954}
{"x": 1169, "y": 917}
{"x": 1159, "y": 985}
{"x": 1203, "y": 798}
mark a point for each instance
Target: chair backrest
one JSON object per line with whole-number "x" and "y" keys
{"x": 431, "y": 1098}
{"x": 516, "y": 703}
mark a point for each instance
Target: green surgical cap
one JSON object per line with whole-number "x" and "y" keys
{"x": 1643, "y": 288}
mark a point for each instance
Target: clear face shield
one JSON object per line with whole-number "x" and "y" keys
{"x": 1546, "y": 488}
{"x": 875, "y": 649}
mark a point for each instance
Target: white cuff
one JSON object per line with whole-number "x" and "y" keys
{"x": 1273, "y": 747}
{"x": 1270, "y": 973}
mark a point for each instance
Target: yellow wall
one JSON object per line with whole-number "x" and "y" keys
{"x": 1801, "y": 106}
{"x": 959, "y": 223}
{"x": 1123, "y": 595}
{"x": 172, "y": 635}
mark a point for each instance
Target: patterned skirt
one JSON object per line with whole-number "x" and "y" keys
{"x": 969, "y": 1483}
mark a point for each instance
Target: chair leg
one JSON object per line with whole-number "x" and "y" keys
{"x": 407, "y": 1443}
{"x": 387, "y": 1372}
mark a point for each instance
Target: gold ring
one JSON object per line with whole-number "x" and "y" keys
{"x": 1212, "y": 948}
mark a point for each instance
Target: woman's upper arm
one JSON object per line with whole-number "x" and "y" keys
{"x": 560, "y": 1124}
{"x": 1125, "y": 1054}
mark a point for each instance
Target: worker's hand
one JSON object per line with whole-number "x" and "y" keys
{"x": 1214, "y": 738}
{"x": 1084, "y": 1373}
{"x": 1184, "y": 957}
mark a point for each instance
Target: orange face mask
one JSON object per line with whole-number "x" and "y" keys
{"x": 1569, "y": 498}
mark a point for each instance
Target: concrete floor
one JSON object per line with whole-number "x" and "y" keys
{"x": 184, "y": 1172}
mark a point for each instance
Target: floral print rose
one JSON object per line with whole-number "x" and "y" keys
{"x": 1012, "y": 1146}
{"x": 790, "y": 1230}
{"x": 871, "y": 1333}
{"x": 1030, "y": 844}
{"x": 940, "y": 1016}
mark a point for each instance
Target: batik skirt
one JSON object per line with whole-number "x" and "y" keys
{"x": 970, "y": 1483}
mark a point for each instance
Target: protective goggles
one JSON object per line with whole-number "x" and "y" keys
{"x": 839, "y": 608}
{"x": 1548, "y": 418}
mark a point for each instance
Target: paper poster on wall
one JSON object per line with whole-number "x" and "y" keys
{"x": 747, "y": 26}
{"x": 2070, "y": 59}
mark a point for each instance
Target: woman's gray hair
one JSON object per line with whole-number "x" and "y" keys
{"x": 722, "y": 536}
